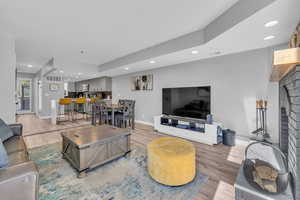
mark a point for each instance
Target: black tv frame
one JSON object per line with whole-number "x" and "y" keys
{"x": 206, "y": 86}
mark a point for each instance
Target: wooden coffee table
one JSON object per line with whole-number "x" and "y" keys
{"x": 88, "y": 148}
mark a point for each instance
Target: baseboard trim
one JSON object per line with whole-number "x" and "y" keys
{"x": 25, "y": 113}
{"x": 44, "y": 117}
{"x": 143, "y": 122}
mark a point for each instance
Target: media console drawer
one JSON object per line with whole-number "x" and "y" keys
{"x": 197, "y": 130}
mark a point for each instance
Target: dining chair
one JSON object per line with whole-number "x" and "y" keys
{"x": 121, "y": 102}
{"x": 126, "y": 113}
{"x": 105, "y": 113}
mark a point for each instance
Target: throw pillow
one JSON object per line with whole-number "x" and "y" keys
{"x": 5, "y": 131}
{"x": 3, "y": 156}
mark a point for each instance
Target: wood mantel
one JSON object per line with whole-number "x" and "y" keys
{"x": 283, "y": 62}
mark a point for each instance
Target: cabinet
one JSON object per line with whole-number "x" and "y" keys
{"x": 78, "y": 85}
{"x": 210, "y": 136}
{"x": 102, "y": 84}
{"x": 71, "y": 87}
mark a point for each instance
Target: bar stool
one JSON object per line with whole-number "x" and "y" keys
{"x": 80, "y": 107}
{"x": 89, "y": 107}
{"x": 65, "y": 108}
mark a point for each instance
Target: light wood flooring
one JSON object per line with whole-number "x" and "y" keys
{"x": 33, "y": 125}
{"x": 220, "y": 163}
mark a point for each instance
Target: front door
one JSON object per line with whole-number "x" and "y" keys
{"x": 24, "y": 96}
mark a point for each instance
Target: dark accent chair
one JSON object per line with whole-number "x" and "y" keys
{"x": 19, "y": 180}
{"x": 126, "y": 113}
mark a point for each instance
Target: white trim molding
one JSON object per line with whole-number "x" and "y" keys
{"x": 143, "y": 122}
{"x": 44, "y": 117}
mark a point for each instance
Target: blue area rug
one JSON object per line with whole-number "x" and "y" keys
{"x": 122, "y": 179}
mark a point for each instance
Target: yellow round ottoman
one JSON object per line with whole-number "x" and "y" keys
{"x": 171, "y": 161}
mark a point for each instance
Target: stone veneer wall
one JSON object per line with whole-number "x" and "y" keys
{"x": 284, "y": 131}
{"x": 289, "y": 98}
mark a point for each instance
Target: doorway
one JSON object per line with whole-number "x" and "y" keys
{"x": 24, "y": 96}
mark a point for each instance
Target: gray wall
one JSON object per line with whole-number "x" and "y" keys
{"x": 236, "y": 82}
{"x": 7, "y": 78}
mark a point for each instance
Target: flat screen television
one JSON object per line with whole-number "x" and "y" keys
{"x": 192, "y": 102}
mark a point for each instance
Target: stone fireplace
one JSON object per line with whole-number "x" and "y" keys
{"x": 289, "y": 138}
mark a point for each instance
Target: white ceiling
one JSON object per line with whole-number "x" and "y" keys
{"x": 105, "y": 30}
{"x": 247, "y": 35}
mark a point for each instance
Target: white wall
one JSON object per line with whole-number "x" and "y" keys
{"x": 236, "y": 82}
{"x": 7, "y": 78}
{"x": 48, "y": 96}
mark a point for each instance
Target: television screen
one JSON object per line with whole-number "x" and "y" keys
{"x": 193, "y": 102}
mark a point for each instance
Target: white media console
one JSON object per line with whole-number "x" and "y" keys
{"x": 211, "y": 134}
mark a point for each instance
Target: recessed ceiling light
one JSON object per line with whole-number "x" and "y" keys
{"x": 269, "y": 37}
{"x": 79, "y": 73}
{"x": 271, "y": 23}
{"x": 126, "y": 68}
{"x": 152, "y": 62}
{"x": 61, "y": 71}
{"x": 29, "y": 66}
{"x": 215, "y": 52}
{"x": 195, "y": 52}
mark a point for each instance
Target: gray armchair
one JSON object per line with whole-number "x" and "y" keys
{"x": 18, "y": 181}
{"x": 17, "y": 129}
